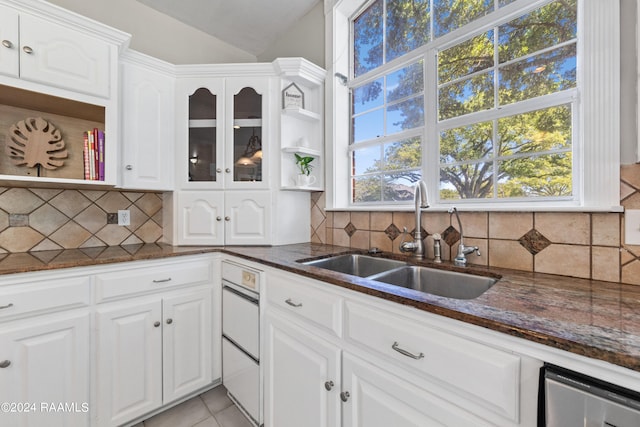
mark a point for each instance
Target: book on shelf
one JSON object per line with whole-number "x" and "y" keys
{"x": 93, "y": 155}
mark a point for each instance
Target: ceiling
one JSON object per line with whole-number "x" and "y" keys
{"x": 250, "y": 25}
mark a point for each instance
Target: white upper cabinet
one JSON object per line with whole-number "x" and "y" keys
{"x": 222, "y": 132}
{"x": 9, "y": 51}
{"x": 60, "y": 56}
{"x": 46, "y": 50}
{"x": 147, "y": 117}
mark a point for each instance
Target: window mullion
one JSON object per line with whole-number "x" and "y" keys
{"x": 430, "y": 142}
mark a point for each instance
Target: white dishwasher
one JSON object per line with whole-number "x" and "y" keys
{"x": 241, "y": 338}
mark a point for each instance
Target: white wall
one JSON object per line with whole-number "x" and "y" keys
{"x": 156, "y": 34}
{"x": 305, "y": 38}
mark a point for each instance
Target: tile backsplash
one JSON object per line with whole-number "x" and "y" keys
{"x": 51, "y": 219}
{"x": 586, "y": 245}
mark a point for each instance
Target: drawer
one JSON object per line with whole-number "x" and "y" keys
{"x": 488, "y": 376}
{"x": 324, "y": 309}
{"x": 163, "y": 276}
{"x": 241, "y": 275}
{"x": 46, "y": 296}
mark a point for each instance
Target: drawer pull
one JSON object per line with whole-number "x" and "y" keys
{"x": 168, "y": 279}
{"x": 293, "y": 304}
{"x": 5, "y": 364}
{"x": 329, "y": 385}
{"x": 7, "y": 44}
{"x": 27, "y": 50}
{"x": 6, "y": 306}
{"x": 344, "y": 396}
{"x": 404, "y": 352}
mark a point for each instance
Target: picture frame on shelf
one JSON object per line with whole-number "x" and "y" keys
{"x": 292, "y": 97}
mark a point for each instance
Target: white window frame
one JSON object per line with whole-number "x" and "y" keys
{"x": 597, "y": 135}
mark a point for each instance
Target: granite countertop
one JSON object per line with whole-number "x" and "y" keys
{"x": 587, "y": 317}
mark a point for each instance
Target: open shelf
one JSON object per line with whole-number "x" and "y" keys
{"x": 302, "y": 150}
{"x": 303, "y": 114}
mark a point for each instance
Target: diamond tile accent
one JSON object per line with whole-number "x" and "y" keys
{"x": 451, "y": 236}
{"x": 47, "y": 219}
{"x": 19, "y": 201}
{"x": 18, "y": 220}
{"x": 392, "y": 232}
{"x": 350, "y": 229}
{"x": 70, "y": 203}
{"x": 534, "y": 241}
{"x": 149, "y": 203}
{"x": 70, "y": 236}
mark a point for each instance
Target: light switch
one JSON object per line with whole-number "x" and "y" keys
{"x": 632, "y": 227}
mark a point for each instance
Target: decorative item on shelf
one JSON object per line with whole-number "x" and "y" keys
{"x": 304, "y": 178}
{"x": 252, "y": 154}
{"x": 34, "y": 142}
{"x": 292, "y": 97}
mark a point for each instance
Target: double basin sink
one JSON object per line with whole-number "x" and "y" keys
{"x": 445, "y": 283}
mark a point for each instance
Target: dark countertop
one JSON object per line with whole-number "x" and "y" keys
{"x": 600, "y": 320}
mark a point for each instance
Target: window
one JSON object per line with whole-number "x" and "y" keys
{"x": 491, "y": 102}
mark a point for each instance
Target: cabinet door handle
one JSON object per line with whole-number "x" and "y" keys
{"x": 218, "y": 218}
{"x": 6, "y": 306}
{"x": 404, "y": 352}
{"x": 227, "y": 170}
{"x": 7, "y": 44}
{"x": 156, "y": 324}
{"x": 5, "y": 364}
{"x": 219, "y": 170}
{"x": 344, "y": 396}
{"x": 128, "y": 167}
{"x": 227, "y": 218}
{"x": 329, "y": 385}
{"x": 168, "y": 279}
{"x": 27, "y": 50}
{"x": 293, "y": 304}
{"x": 169, "y": 321}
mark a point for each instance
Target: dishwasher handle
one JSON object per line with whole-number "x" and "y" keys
{"x": 226, "y": 286}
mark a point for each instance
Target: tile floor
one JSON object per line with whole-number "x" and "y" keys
{"x": 210, "y": 409}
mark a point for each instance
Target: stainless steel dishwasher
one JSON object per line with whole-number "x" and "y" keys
{"x": 241, "y": 338}
{"x": 571, "y": 399}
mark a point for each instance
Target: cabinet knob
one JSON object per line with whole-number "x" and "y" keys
{"x": 219, "y": 170}
{"x": 7, "y": 44}
{"x": 218, "y": 218}
{"x": 5, "y": 364}
{"x": 329, "y": 385}
{"x": 344, "y": 396}
{"x": 227, "y": 170}
{"x": 169, "y": 321}
{"x": 227, "y": 218}
{"x": 27, "y": 50}
{"x": 156, "y": 324}
{"x": 128, "y": 167}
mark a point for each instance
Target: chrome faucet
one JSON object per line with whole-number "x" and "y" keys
{"x": 463, "y": 251}
{"x": 421, "y": 202}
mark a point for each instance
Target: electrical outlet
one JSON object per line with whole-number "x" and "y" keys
{"x": 124, "y": 217}
{"x": 632, "y": 227}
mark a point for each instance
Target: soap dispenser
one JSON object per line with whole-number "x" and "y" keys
{"x": 437, "y": 256}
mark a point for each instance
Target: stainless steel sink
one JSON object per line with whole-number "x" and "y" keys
{"x": 356, "y": 264}
{"x": 450, "y": 284}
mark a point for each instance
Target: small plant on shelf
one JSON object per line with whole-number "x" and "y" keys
{"x": 304, "y": 163}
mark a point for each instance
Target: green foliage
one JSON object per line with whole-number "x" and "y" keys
{"x": 304, "y": 163}
{"x": 523, "y": 155}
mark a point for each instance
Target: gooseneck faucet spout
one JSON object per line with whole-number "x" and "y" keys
{"x": 421, "y": 202}
{"x": 463, "y": 251}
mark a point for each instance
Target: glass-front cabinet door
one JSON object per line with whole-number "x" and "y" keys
{"x": 247, "y": 134}
{"x": 200, "y": 133}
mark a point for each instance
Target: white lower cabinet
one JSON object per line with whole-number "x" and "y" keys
{"x": 335, "y": 358}
{"x": 302, "y": 377}
{"x": 152, "y": 351}
{"x": 44, "y": 371}
{"x": 377, "y": 398}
